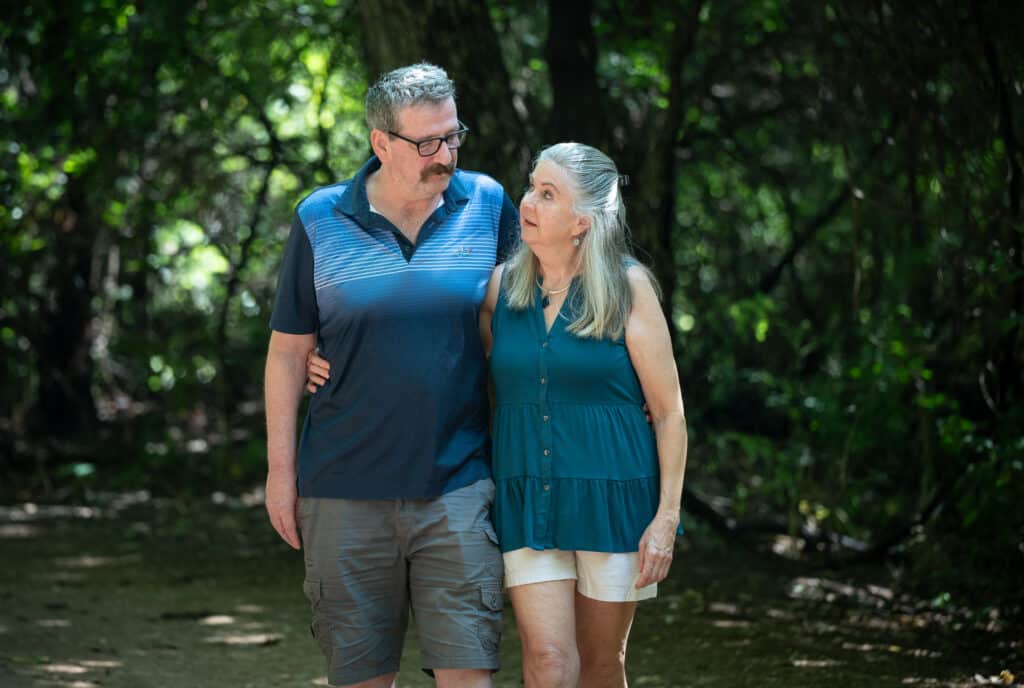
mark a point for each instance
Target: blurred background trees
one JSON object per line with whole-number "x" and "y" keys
{"x": 830, "y": 193}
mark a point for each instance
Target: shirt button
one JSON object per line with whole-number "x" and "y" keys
{"x": 547, "y": 452}
{"x": 546, "y": 418}
{"x": 543, "y": 380}
{"x": 546, "y": 487}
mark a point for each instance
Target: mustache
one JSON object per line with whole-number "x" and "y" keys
{"x": 438, "y": 168}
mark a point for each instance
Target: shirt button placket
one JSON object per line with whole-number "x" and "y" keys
{"x": 543, "y": 519}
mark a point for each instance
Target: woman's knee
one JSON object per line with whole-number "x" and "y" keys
{"x": 602, "y": 668}
{"x": 557, "y": 662}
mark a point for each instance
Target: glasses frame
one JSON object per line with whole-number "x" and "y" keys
{"x": 461, "y": 132}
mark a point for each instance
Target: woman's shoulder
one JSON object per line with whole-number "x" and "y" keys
{"x": 641, "y": 279}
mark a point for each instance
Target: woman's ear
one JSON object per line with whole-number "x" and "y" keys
{"x": 582, "y": 226}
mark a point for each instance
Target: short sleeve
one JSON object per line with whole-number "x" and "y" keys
{"x": 508, "y": 230}
{"x": 295, "y": 310}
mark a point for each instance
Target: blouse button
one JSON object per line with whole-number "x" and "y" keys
{"x": 546, "y": 418}
{"x": 543, "y": 380}
{"x": 544, "y": 345}
{"x": 546, "y": 487}
{"x": 547, "y": 452}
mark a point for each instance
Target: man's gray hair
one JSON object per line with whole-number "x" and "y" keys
{"x": 412, "y": 85}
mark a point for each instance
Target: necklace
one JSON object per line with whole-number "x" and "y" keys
{"x": 545, "y": 297}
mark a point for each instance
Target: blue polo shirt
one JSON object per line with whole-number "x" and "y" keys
{"x": 404, "y": 414}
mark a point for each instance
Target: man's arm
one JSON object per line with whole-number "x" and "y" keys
{"x": 284, "y": 377}
{"x": 508, "y": 230}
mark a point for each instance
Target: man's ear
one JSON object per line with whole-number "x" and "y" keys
{"x": 381, "y": 144}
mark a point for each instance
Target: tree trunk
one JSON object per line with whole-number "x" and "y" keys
{"x": 577, "y": 112}
{"x": 65, "y": 406}
{"x": 458, "y": 36}
{"x": 653, "y": 207}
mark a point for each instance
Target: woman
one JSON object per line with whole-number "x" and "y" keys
{"x": 587, "y": 501}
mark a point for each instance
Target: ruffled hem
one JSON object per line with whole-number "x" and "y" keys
{"x": 595, "y": 442}
{"x": 573, "y": 514}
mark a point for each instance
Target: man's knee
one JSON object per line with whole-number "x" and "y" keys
{"x": 462, "y": 678}
{"x": 384, "y": 681}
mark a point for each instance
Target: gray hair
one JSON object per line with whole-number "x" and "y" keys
{"x": 602, "y": 304}
{"x": 418, "y": 83}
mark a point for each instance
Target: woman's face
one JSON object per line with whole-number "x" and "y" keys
{"x": 546, "y": 211}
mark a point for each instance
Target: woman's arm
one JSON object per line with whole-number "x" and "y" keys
{"x": 650, "y": 350}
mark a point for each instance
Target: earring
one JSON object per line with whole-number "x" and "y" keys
{"x": 576, "y": 241}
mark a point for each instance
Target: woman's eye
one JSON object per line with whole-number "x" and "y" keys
{"x": 547, "y": 195}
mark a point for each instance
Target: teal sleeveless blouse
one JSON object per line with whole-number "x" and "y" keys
{"x": 574, "y": 460}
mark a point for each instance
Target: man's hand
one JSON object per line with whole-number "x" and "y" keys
{"x": 282, "y": 501}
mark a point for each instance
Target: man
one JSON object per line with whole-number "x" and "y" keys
{"x": 390, "y": 485}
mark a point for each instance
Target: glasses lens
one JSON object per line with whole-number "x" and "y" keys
{"x": 455, "y": 140}
{"x": 428, "y": 147}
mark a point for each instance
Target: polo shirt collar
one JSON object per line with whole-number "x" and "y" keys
{"x": 355, "y": 203}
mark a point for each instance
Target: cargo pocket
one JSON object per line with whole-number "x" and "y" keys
{"x": 489, "y": 626}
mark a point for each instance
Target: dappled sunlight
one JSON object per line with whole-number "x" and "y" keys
{"x": 730, "y": 623}
{"x": 102, "y": 663}
{"x": 881, "y": 647}
{"x": 821, "y": 627}
{"x": 254, "y": 639}
{"x": 90, "y": 561}
{"x": 217, "y": 620}
{"x": 724, "y": 608}
{"x": 250, "y": 609}
{"x": 30, "y": 511}
{"x": 815, "y": 663}
{"x": 19, "y": 531}
{"x": 63, "y": 669}
{"x": 826, "y": 590}
{"x": 52, "y": 623}
{"x": 1003, "y": 678}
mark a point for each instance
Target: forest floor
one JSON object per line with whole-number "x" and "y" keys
{"x": 141, "y": 592}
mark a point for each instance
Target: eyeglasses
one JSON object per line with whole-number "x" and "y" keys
{"x": 428, "y": 147}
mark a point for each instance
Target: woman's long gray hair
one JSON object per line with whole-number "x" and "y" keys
{"x": 602, "y": 302}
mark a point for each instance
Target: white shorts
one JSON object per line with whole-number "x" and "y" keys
{"x": 608, "y": 577}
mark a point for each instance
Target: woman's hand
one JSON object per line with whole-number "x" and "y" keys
{"x": 657, "y": 545}
{"x": 318, "y": 371}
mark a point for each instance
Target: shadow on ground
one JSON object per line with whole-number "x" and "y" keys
{"x": 140, "y": 592}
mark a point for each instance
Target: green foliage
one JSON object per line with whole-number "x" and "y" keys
{"x": 845, "y": 252}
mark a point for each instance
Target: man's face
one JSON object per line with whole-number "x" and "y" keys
{"x": 424, "y": 176}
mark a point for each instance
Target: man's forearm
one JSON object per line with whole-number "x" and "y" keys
{"x": 284, "y": 378}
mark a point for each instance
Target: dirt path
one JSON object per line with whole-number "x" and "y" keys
{"x": 142, "y": 593}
